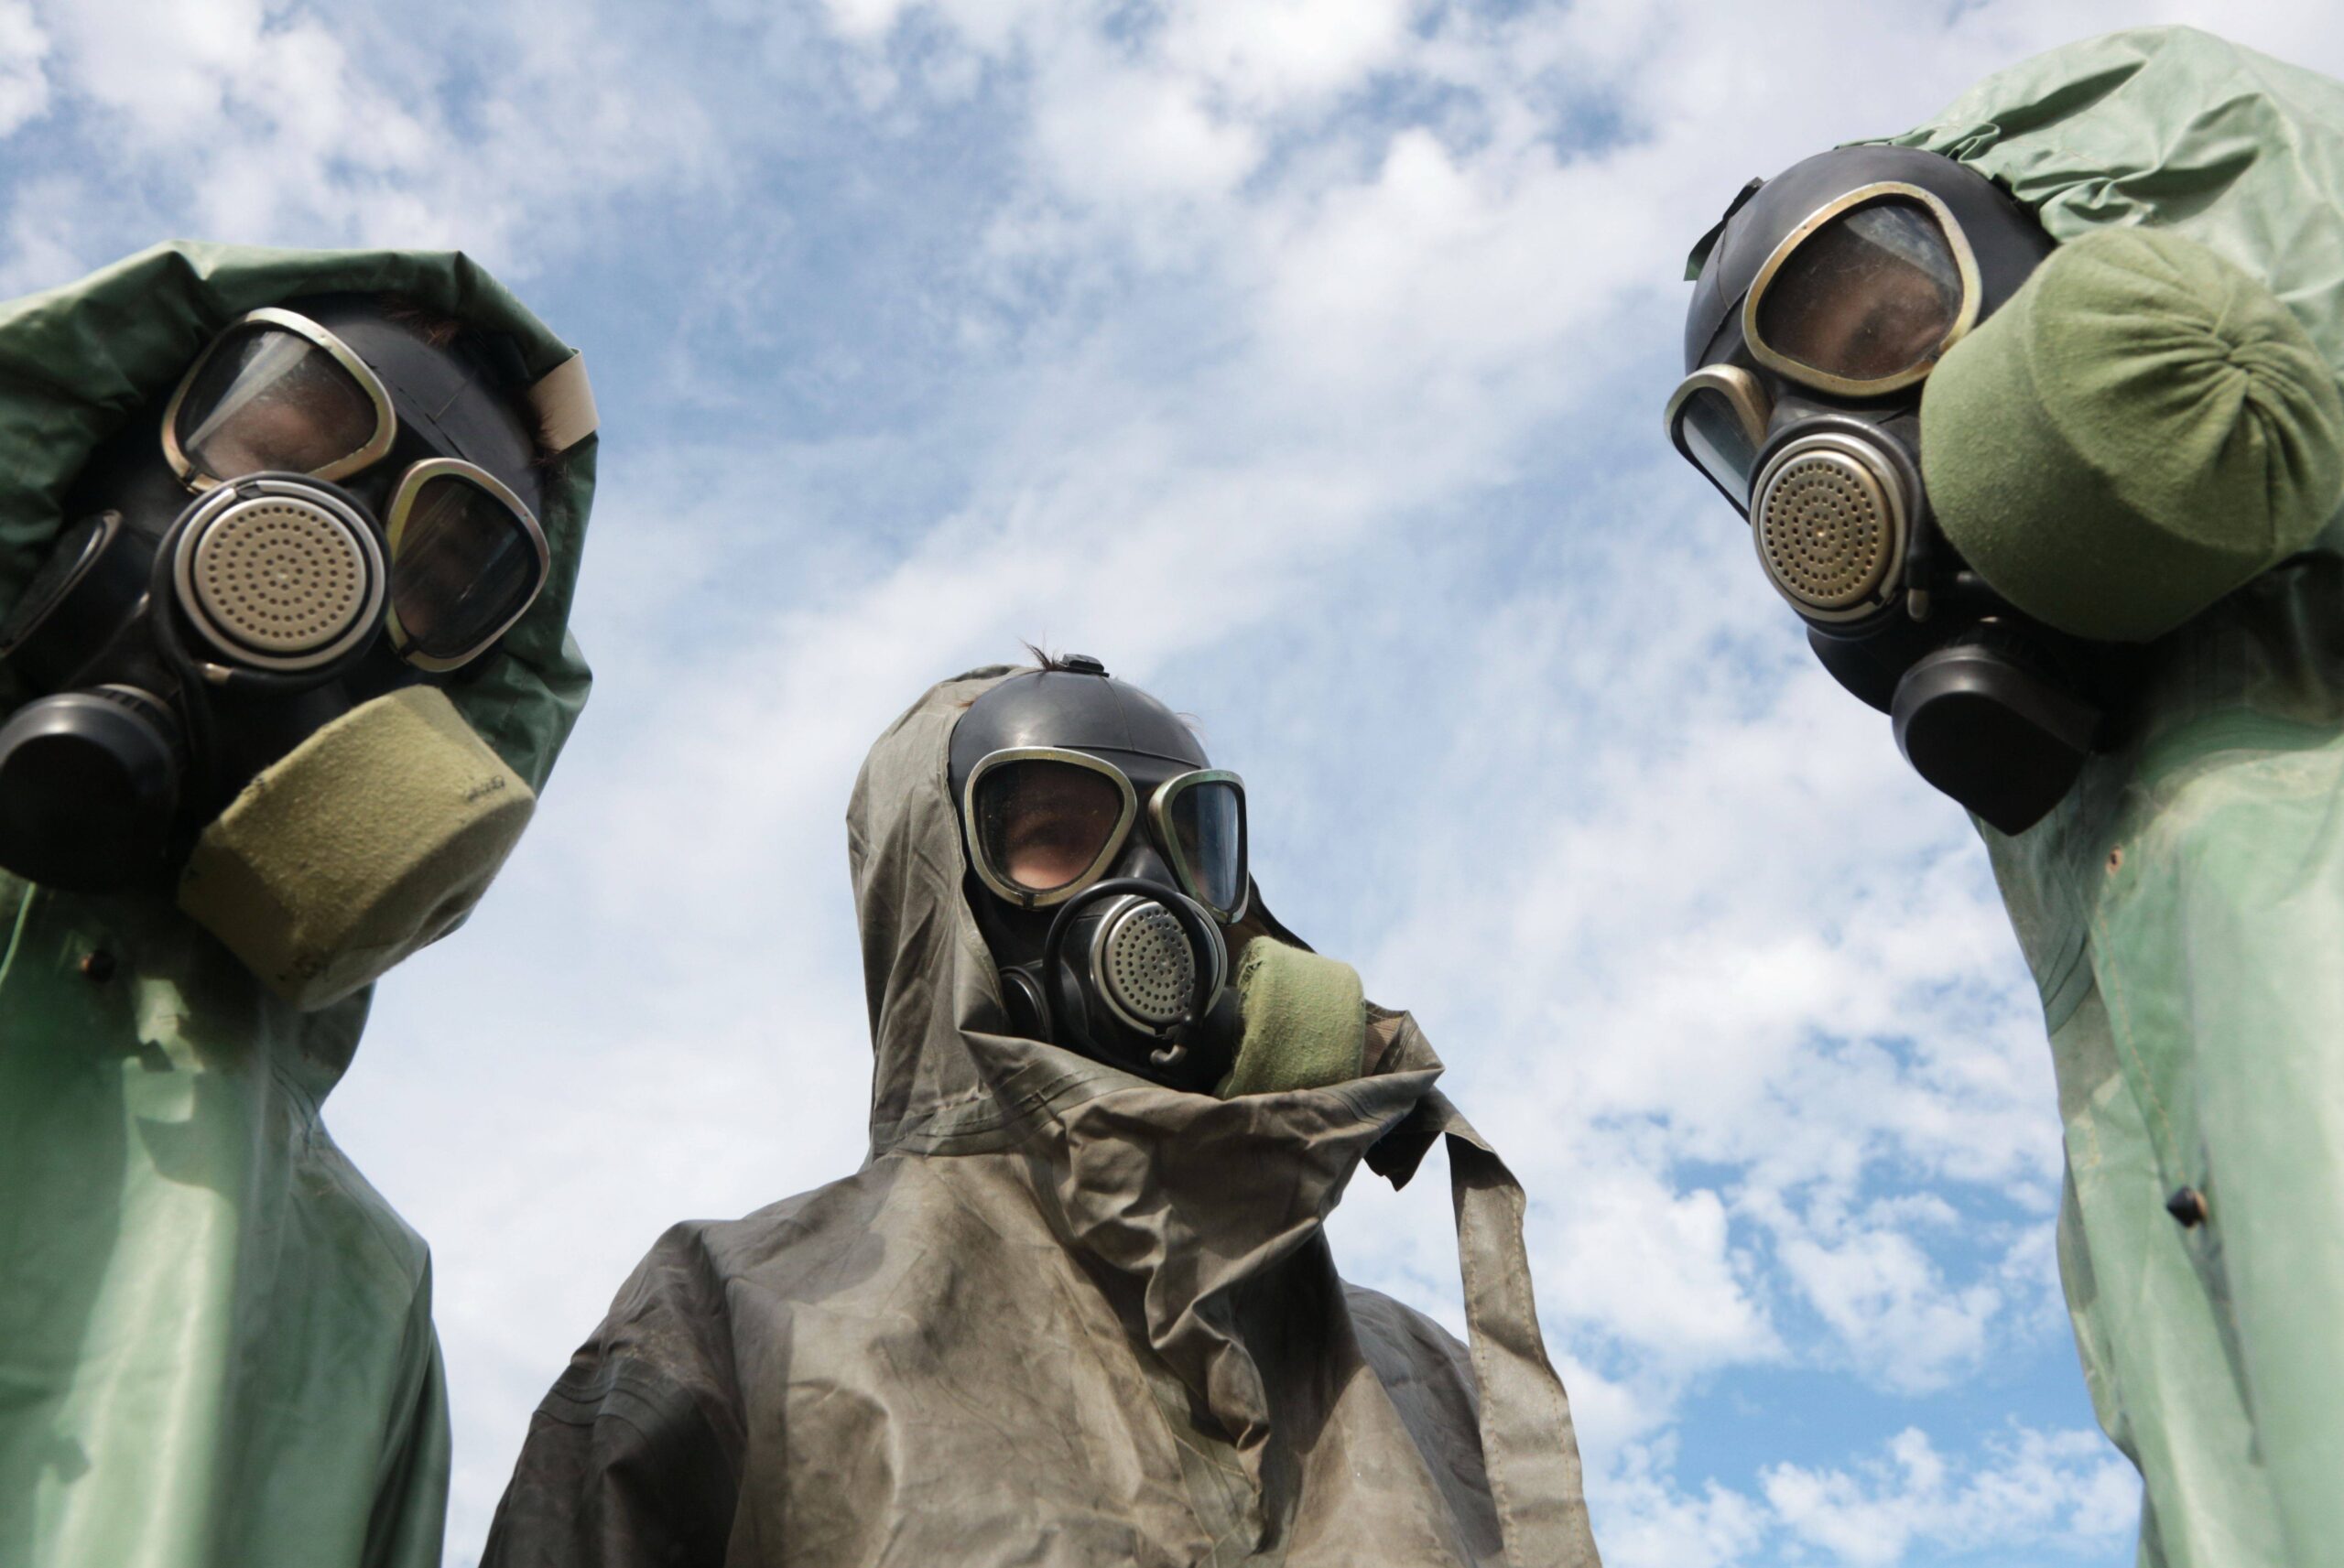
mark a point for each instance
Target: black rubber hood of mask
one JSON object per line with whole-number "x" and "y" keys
{"x": 1080, "y": 711}
{"x": 461, "y": 399}
{"x": 2003, "y": 234}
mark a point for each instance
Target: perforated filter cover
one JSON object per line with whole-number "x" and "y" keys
{"x": 280, "y": 575}
{"x": 1824, "y": 531}
{"x": 1147, "y": 964}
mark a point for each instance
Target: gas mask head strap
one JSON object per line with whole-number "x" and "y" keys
{"x": 563, "y": 401}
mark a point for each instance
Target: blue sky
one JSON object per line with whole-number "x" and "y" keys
{"x": 1302, "y": 359}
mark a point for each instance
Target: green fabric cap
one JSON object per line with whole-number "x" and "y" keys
{"x": 2142, "y": 429}
{"x": 1305, "y": 1021}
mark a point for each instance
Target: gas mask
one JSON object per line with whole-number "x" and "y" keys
{"x": 241, "y": 638}
{"x": 1824, "y": 299}
{"x": 1107, "y": 861}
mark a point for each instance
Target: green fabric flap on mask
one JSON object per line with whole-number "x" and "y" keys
{"x": 1305, "y": 1021}
{"x": 320, "y": 890}
{"x": 2140, "y": 430}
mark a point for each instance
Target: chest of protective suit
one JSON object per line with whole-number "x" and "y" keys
{"x": 929, "y": 1369}
{"x": 2211, "y": 823}
{"x": 194, "y": 1283}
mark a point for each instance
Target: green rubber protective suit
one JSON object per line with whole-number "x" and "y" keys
{"x": 215, "y": 1338}
{"x": 2183, "y": 909}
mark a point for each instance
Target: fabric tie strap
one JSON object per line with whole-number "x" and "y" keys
{"x": 1528, "y": 1443}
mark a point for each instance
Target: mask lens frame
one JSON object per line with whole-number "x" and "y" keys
{"x": 1964, "y": 315}
{"x": 403, "y": 532}
{"x": 1226, "y": 904}
{"x": 974, "y": 824}
{"x": 271, "y": 318}
{"x": 1717, "y": 420}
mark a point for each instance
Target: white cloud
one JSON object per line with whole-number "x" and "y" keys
{"x": 1269, "y": 56}
{"x": 1891, "y": 1306}
{"x": 24, "y": 82}
{"x": 1113, "y": 134}
{"x": 42, "y": 230}
{"x": 863, "y": 19}
{"x": 1668, "y": 1285}
{"x": 2061, "y": 1489}
{"x": 2027, "y": 1495}
{"x": 1649, "y": 1522}
{"x": 275, "y": 125}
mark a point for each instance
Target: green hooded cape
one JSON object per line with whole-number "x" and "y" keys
{"x": 2183, "y": 909}
{"x": 215, "y": 1338}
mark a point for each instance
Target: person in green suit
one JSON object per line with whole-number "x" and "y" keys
{"x": 2034, "y": 412}
{"x": 287, "y": 542}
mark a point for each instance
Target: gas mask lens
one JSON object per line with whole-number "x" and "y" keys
{"x": 467, "y": 559}
{"x": 1868, "y": 300}
{"x": 1201, "y": 821}
{"x": 1717, "y": 421}
{"x": 1043, "y": 825}
{"x": 275, "y": 392}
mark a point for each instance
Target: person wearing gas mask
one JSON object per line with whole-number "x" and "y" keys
{"x": 2033, "y": 415}
{"x": 1078, "y": 1306}
{"x": 285, "y": 562}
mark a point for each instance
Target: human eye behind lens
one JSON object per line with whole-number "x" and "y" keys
{"x": 1047, "y": 848}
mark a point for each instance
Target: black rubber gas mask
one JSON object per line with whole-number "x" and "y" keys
{"x": 1106, "y": 862}
{"x": 1823, "y": 300}
{"x": 331, "y": 507}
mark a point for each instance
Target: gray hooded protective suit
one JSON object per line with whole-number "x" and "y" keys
{"x": 1061, "y": 1316}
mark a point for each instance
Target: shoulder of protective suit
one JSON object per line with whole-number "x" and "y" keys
{"x": 830, "y": 1241}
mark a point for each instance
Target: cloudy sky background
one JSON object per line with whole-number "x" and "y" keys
{"x": 1303, "y": 360}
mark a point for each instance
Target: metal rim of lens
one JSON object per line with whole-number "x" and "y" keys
{"x": 1847, "y": 449}
{"x": 229, "y": 499}
{"x": 1159, "y": 813}
{"x": 1108, "y": 965}
{"x": 1965, "y": 317}
{"x": 386, "y": 419}
{"x": 403, "y": 500}
{"x": 1743, "y": 396}
{"x": 982, "y": 863}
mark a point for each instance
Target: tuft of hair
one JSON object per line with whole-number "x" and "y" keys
{"x": 437, "y": 327}
{"x": 1044, "y": 660}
